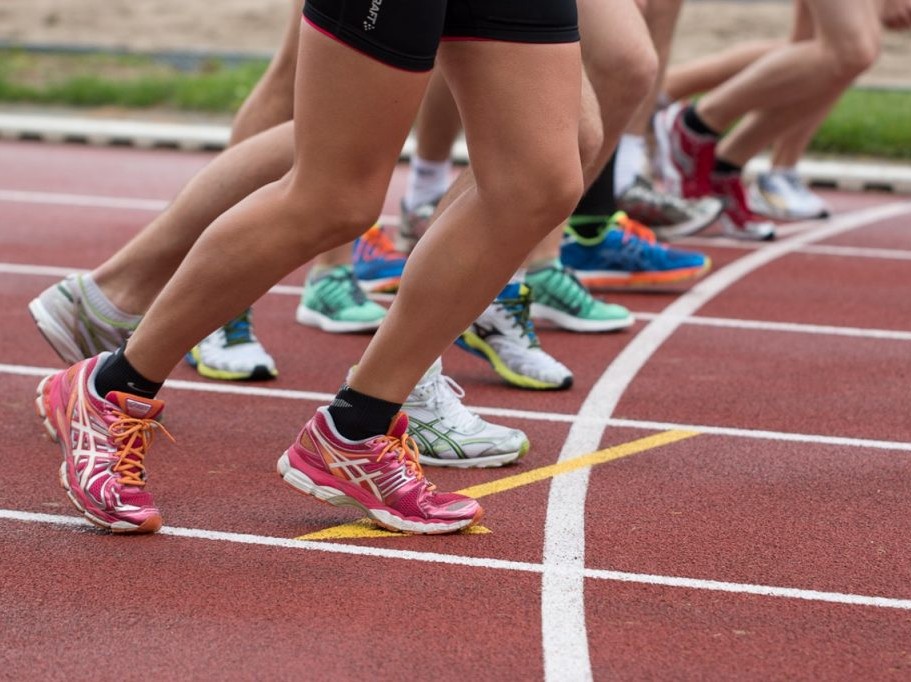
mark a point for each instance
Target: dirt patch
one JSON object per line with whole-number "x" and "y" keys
{"x": 256, "y": 26}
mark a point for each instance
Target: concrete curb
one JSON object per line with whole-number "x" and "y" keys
{"x": 839, "y": 174}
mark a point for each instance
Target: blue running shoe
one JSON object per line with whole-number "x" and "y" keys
{"x": 377, "y": 265}
{"x": 626, "y": 254}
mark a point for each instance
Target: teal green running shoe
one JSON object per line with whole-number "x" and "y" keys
{"x": 559, "y": 297}
{"x": 335, "y": 302}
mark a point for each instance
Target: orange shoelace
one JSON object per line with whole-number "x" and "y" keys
{"x": 133, "y": 437}
{"x": 406, "y": 451}
{"x": 636, "y": 229}
{"x": 377, "y": 237}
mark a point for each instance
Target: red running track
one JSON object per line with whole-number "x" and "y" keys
{"x": 770, "y": 542}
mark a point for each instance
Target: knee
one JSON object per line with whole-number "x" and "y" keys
{"x": 632, "y": 70}
{"x": 854, "y": 55}
{"x": 538, "y": 199}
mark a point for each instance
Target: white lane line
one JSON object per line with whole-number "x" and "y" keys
{"x": 858, "y": 252}
{"x": 530, "y": 415}
{"x": 564, "y": 631}
{"x": 82, "y": 200}
{"x": 760, "y": 325}
{"x": 486, "y": 563}
{"x": 732, "y": 323}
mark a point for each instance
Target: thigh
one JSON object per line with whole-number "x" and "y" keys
{"x": 837, "y": 21}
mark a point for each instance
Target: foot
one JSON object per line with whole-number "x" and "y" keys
{"x": 413, "y": 224}
{"x": 505, "y": 336}
{"x": 104, "y": 443}
{"x": 449, "y": 434}
{"x": 559, "y": 297}
{"x": 380, "y": 476}
{"x": 738, "y": 220}
{"x": 669, "y": 216}
{"x": 686, "y": 158}
{"x": 377, "y": 265}
{"x": 334, "y": 301}
{"x": 233, "y": 353}
{"x": 781, "y": 194}
{"x": 626, "y": 254}
{"x": 75, "y": 328}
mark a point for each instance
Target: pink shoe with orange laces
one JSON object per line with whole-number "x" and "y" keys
{"x": 380, "y": 476}
{"x": 104, "y": 443}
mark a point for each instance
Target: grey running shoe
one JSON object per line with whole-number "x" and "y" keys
{"x": 669, "y": 216}
{"x": 73, "y": 327}
{"x": 449, "y": 434}
{"x": 413, "y": 224}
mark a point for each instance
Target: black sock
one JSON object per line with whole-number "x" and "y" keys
{"x": 358, "y": 416}
{"x": 723, "y": 167}
{"x": 597, "y": 204}
{"x": 117, "y": 374}
{"x": 695, "y": 123}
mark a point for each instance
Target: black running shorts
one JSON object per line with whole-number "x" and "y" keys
{"x": 406, "y": 33}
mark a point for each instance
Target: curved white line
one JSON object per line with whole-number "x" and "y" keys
{"x": 564, "y": 632}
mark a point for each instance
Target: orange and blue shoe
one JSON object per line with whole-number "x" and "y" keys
{"x": 104, "y": 443}
{"x": 381, "y": 476}
{"x": 625, "y": 253}
{"x": 377, "y": 265}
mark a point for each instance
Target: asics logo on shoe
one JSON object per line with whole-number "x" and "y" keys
{"x": 137, "y": 408}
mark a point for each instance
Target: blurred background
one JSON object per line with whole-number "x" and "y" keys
{"x": 190, "y": 60}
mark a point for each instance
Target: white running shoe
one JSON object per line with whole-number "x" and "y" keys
{"x": 233, "y": 353}
{"x": 782, "y": 195}
{"x": 505, "y": 337}
{"x": 74, "y": 327}
{"x": 449, "y": 434}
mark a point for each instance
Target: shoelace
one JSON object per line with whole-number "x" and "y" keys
{"x": 378, "y": 244}
{"x": 520, "y": 310}
{"x": 447, "y": 394}
{"x": 634, "y": 228}
{"x": 238, "y": 330}
{"x": 570, "y": 290}
{"x": 346, "y": 292}
{"x": 405, "y": 450}
{"x": 133, "y": 437}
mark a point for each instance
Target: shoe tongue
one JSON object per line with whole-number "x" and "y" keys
{"x": 436, "y": 369}
{"x": 398, "y": 426}
{"x": 135, "y": 406}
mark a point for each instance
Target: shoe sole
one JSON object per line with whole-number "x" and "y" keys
{"x": 482, "y": 462}
{"x": 258, "y": 373}
{"x": 388, "y": 285}
{"x": 688, "y": 228}
{"x": 57, "y": 336}
{"x": 311, "y": 318}
{"x": 150, "y": 525}
{"x": 728, "y": 229}
{"x": 388, "y": 520}
{"x": 577, "y": 324}
{"x": 619, "y": 280}
{"x": 475, "y": 345}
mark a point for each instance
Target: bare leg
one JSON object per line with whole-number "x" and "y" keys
{"x": 684, "y": 81}
{"x": 846, "y": 43}
{"x": 520, "y": 108}
{"x": 308, "y": 211}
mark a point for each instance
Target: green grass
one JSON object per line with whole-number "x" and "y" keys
{"x": 123, "y": 81}
{"x": 864, "y": 123}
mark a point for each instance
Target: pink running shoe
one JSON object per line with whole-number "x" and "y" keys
{"x": 737, "y": 219}
{"x": 686, "y": 158}
{"x": 380, "y": 476}
{"x": 104, "y": 442}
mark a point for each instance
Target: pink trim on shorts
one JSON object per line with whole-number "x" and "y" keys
{"x": 334, "y": 37}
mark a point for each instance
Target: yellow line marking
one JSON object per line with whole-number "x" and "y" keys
{"x": 365, "y": 529}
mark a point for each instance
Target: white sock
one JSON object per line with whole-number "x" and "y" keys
{"x": 631, "y": 159}
{"x": 102, "y": 303}
{"x": 427, "y": 181}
